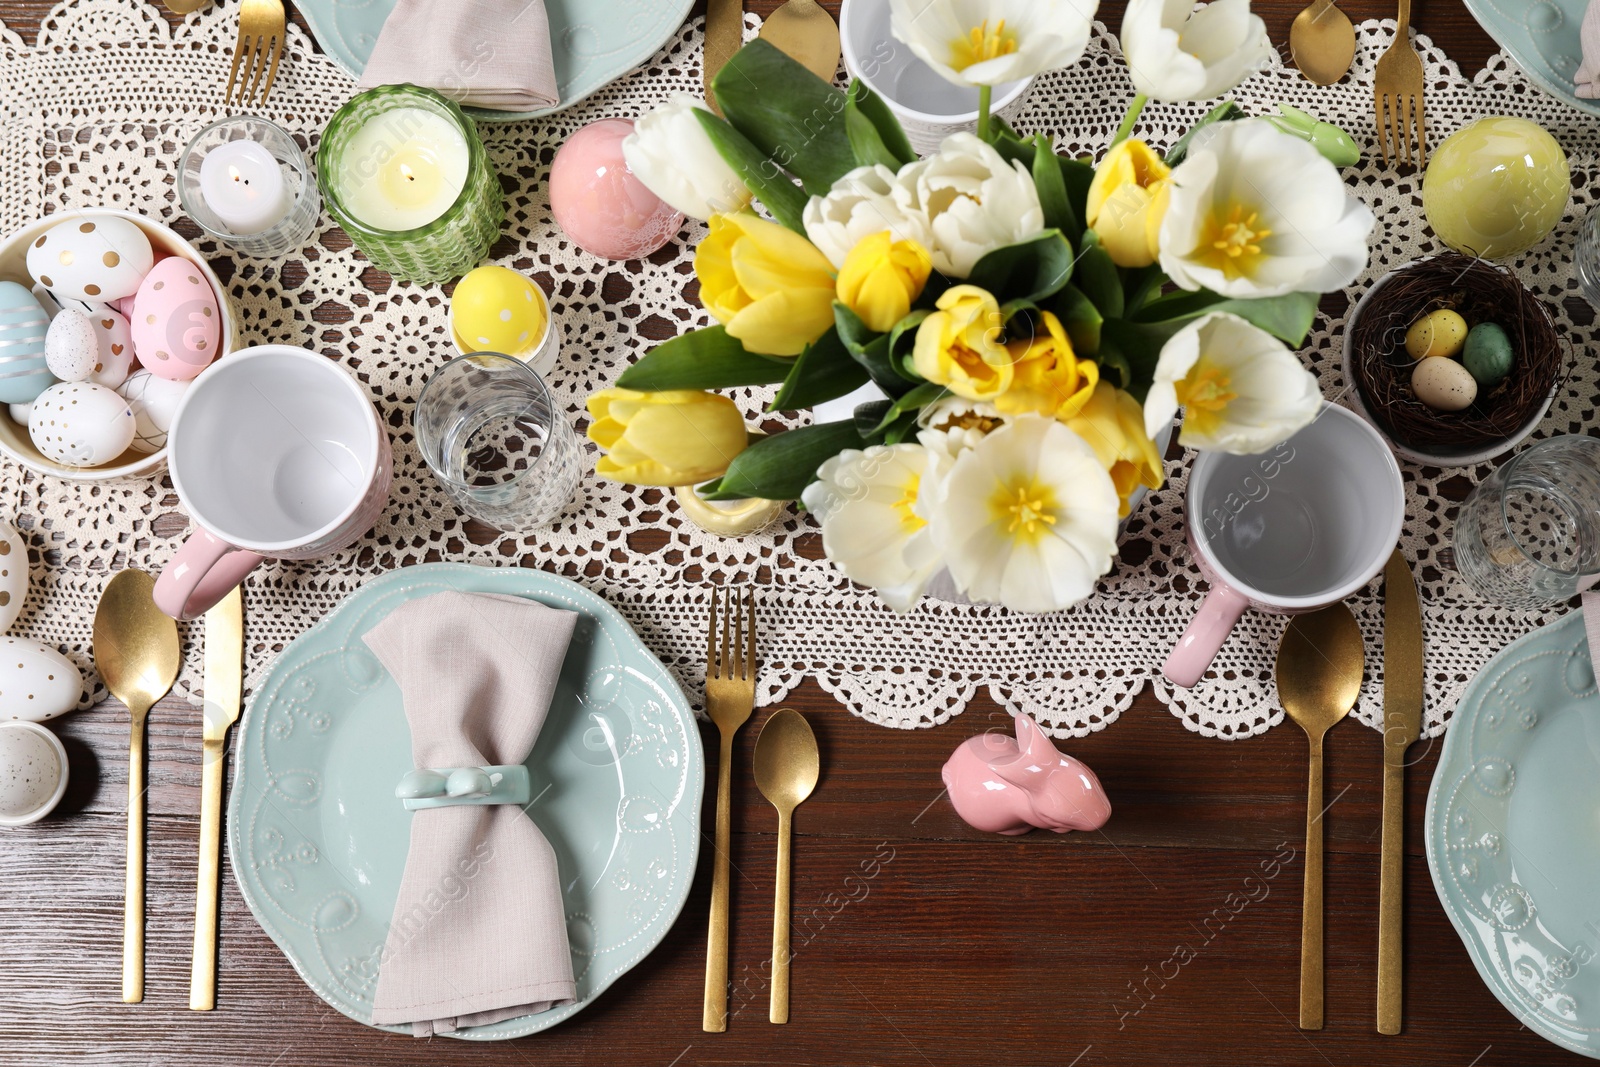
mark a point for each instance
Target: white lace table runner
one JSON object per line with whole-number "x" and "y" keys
{"x": 97, "y": 112}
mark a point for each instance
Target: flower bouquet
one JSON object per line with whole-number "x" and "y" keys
{"x": 1030, "y": 323}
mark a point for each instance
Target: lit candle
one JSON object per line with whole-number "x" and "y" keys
{"x": 242, "y": 183}
{"x": 404, "y": 168}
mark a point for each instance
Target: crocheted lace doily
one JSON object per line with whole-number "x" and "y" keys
{"x": 98, "y": 110}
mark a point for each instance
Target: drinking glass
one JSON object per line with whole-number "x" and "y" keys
{"x": 488, "y": 430}
{"x": 289, "y": 233}
{"x": 1529, "y": 534}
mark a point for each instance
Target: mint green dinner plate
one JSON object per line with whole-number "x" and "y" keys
{"x": 1513, "y": 832}
{"x": 319, "y": 841}
{"x": 1542, "y": 36}
{"x": 592, "y": 41}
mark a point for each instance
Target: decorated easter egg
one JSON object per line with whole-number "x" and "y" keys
{"x": 36, "y": 681}
{"x": 1443, "y": 384}
{"x": 176, "y": 321}
{"x": 154, "y": 401}
{"x": 116, "y": 347}
{"x": 1438, "y": 333}
{"x": 13, "y": 574}
{"x": 599, "y": 202}
{"x": 1496, "y": 187}
{"x": 495, "y": 309}
{"x": 81, "y": 424}
{"x": 19, "y": 413}
{"x": 100, "y": 258}
{"x": 1488, "y": 355}
{"x": 71, "y": 347}
{"x": 24, "y": 373}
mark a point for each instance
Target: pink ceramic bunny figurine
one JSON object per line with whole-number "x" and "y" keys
{"x": 1010, "y": 786}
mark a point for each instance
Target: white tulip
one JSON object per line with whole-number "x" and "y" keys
{"x": 867, "y": 504}
{"x": 973, "y": 199}
{"x": 1241, "y": 389}
{"x": 860, "y": 205}
{"x": 1256, "y": 212}
{"x": 1027, "y": 517}
{"x": 1177, "y": 53}
{"x": 671, "y": 153}
{"x": 990, "y": 42}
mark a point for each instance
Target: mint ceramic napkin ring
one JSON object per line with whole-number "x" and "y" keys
{"x": 441, "y": 787}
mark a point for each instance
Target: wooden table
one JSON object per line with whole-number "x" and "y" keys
{"x": 918, "y": 940}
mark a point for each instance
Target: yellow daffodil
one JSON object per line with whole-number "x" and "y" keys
{"x": 674, "y": 437}
{"x": 881, "y": 277}
{"x": 1046, "y": 378}
{"x": 1112, "y": 423}
{"x": 962, "y": 345}
{"x": 768, "y": 285}
{"x": 1127, "y": 201}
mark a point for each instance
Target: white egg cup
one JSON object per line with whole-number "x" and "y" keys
{"x": 46, "y": 806}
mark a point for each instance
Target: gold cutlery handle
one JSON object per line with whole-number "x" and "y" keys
{"x": 133, "y": 891}
{"x": 778, "y": 1011}
{"x": 203, "y": 967}
{"x": 1391, "y": 898}
{"x": 1311, "y": 901}
{"x": 714, "y": 1018}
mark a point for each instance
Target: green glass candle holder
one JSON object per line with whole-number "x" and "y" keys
{"x": 385, "y": 207}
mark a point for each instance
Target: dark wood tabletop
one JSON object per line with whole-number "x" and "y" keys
{"x": 1170, "y": 937}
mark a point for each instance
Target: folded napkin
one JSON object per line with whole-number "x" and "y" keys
{"x": 493, "y": 54}
{"x": 1588, "y": 77}
{"x": 479, "y": 932}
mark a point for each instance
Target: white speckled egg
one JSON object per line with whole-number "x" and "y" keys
{"x": 36, "y": 681}
{"x": 115, "y": 340}
{"x": 23, "y": 324}
{"x": 176, "y": 321}
{"x": 81, "y": 424}
{"x": 13, "y": 574}
{"x": 100, "y": 258}
{"x": 1443, "y": 384}
{"x": 33, "y": 772}
{"x": 154, "y": 401}
{"x": 19, "y": 413}
{"x": 71, "y": 349}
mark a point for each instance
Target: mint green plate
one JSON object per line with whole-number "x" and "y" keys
{"x": 319, "y": 841}
{"x": 1542, "y": 36}
{"x": 592, "y": 41}
{"x": 1513, "y": 832}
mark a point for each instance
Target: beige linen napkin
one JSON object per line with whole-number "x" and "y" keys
{"x": 1588, "y": 77}
{"x": 479, "y": 932}
{"x": 492, "y": 54}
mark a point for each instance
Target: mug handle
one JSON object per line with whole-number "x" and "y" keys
{"x": 1198, "y": 646}
{"x": 205, "y": 569}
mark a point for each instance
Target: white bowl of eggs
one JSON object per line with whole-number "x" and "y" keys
{"x": 105, "y": 317}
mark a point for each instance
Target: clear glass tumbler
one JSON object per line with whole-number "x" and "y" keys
{"x": 1529, "y": 535}
{"x": 303, "y": 202}
{"x": 490, "y": 433}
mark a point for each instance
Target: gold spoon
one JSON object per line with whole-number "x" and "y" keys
{"x": 1322, "y": 42}
{"x": 787, "y": 766}
{"x": 183, "y": 7}
{"x": 1319, "y": 677}
{"x": 136, "y": 653}
{"x": 807, "y": 34}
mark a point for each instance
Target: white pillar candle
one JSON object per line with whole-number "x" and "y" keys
{"x": 404, "y": 169}
{"x": 243, "y": 184}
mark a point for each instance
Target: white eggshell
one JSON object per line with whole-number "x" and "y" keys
{"x": 96, "y": 258}
{"x": 71, "y": 349}
{"x": 13, "y": 574}
{"x": 36, "y": 681}
{"x": 115, "y": 341}
{"x": 81, "y": 424}
{"x": 1443, "y": 384}
{"x": 176, "y": 321}
{"x": 19, "y": 413}
{"x": 154, "y": 401}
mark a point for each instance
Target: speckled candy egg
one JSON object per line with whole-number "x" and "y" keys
{"x": 36, "y": 681}
{"x": 13, "y": 574}
{"x": 81, "y": 424}
{"x": 71, "y": 348}
{"x": 100, "y": 258}
{"x": 176, "y": 321}
{"x": 1443, "y": 384}
{"x": 154, "y": 401}
{"x": 495, "y": 309}
{"x": 599, "y": 203}
{"x": 33, "y": 772}
{"x": 24, "y": 373}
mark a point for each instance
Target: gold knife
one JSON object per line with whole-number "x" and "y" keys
{"x": 224, "y": 682}
{"x": 1402, "y": 724}
{"x": 724, "y": 36}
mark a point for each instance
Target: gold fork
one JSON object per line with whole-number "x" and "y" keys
{"x": 261, "y": 35}
{"x": 1397, "y": 94}
{"x": 730, "y": 696}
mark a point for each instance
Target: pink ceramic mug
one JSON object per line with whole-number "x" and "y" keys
{"x": 275, "y": 452}
{"x": 1288, "y": 531}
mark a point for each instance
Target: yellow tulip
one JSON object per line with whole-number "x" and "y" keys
{"x": 1127, "y": 201}
{"x": 768, "y": 285}
{"x": 961, "y": 345}
{"x": 674, "y": 437}
{"x": 881, "y": 277}
{"x": 1112, "y": 422}
{"x": 1047, "y": 377}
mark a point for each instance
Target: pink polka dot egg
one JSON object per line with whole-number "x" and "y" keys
{"x": 176, "y": 322}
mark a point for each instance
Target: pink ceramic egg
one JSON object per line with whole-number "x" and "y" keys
{"x": 599, "y": 203}
{"x": 176, "y": 322}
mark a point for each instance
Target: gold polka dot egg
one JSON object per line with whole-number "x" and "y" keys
{"x": 81, "y": 424}
{"x": 13, "y": 574}
{"x": 496, "y": 309}
{"x": 36, "y": 681}
{"x": 176, "y": 322}
{"x": 100, "y": 259}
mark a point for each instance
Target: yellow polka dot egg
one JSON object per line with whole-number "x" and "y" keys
{"x": 496, "y": 309}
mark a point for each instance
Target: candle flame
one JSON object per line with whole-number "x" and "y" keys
{"x": 405, "y": 172}
{"x": 233, "y": 173}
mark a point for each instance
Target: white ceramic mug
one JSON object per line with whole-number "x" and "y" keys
{"x": 1289, "y": 531}
{"x": 275, "y": 452}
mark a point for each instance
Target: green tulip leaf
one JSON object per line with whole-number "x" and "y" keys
{"x": 779, "y": 467}
{"x": 1288, "y": 318}
{"x": 703, "y": 359}
{"x": 902, "y": 343}
{"x": 871, "y": 350}
{"x": 1226, "y": 112}
{"x": 771, "y": 184}
{"x": 824, "y": 371}
{"x": 792, "y": 116}
{"x": 876, "y": 136}
{"x": 1096, "y": 275}
{"x": 1133, "y": 349}
{"x": 1052, "y": 189}
{"x": 1081, "y": 319}
{"x": 910, "y": 404}
{"x": 871, "y": 416}
{"x": 1028, "y": 270}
